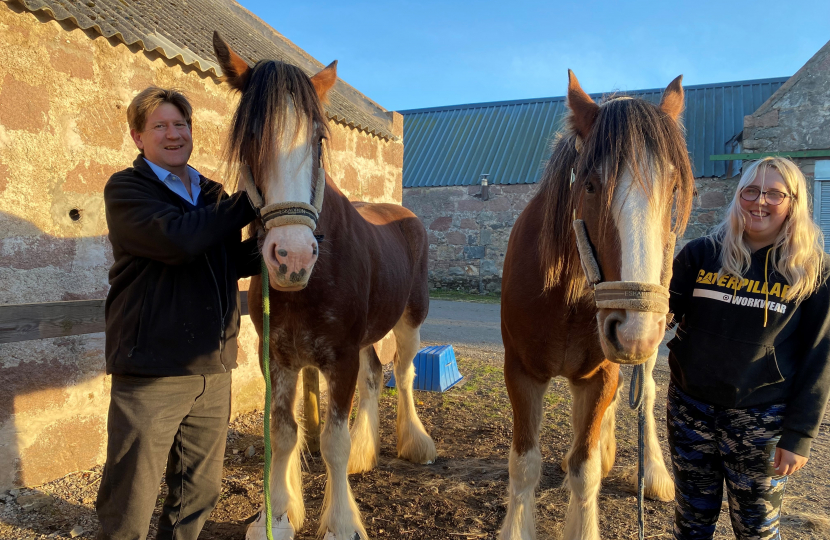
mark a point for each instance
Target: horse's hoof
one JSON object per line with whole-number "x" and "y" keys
{"x": 281, "y": 528}
{"x": 330, "y": 536}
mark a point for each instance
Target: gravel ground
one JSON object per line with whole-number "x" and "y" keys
{"x": 460, "y": 496}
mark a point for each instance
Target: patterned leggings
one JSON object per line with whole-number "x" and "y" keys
{"x": 711, "y": 444}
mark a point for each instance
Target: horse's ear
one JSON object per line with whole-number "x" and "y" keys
{"x": 234, "y": 68}
{"x": 324, "y": 80}
{"x": 672, "y": 102}
{"x": 583, "y": 109}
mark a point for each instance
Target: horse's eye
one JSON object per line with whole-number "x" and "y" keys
{"x": 589, "y": 187}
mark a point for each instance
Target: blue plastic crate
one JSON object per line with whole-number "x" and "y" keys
{"x": 435, "y": 369}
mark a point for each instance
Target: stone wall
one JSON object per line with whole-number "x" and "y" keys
{"x": 467, "y": 236}
{"x": 797, "y": 116}
{"x": 63, "y": 132}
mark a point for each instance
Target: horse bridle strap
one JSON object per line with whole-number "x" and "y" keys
{"x": 633, "y": 295}
{"x": 284, "y": 213}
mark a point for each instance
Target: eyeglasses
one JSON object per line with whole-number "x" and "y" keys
{"x": 772, "y": 197}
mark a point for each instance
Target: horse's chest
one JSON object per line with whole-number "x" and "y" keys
{"x": 300, "y": 339}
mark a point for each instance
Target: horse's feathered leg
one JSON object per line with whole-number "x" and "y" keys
{"x": 286, "y": 475}
{"x": 525, "y": 465}
{"x": 414, "y": 444}
{"x": 365, "y": 435}
{"x": 591, "y": 398}
{"x": 608, "y": 439}
{"x": 340, "y": 518}
{"x": 658, "y": 482}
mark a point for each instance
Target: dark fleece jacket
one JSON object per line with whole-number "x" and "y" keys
{"x": 173, "y": 305}
{"x": 723, "y": 355}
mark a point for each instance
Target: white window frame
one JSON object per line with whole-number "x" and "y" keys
{"x": 822, "y": 174}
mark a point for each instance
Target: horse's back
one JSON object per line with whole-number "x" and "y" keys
{"x": 398, "y": 230}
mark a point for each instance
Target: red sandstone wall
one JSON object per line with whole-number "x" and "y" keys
{"x": 63, "y": 132}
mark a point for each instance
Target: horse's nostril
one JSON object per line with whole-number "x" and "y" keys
{"x": 611, "y": 328}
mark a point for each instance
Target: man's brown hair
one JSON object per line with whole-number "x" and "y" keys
{"x": 149, "y": 99}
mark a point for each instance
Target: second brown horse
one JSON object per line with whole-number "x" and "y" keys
{"x": 623, "y": 170}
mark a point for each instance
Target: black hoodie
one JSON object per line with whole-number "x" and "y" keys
{"x": 724, "y": 355}
{"x": 173, "y": 305}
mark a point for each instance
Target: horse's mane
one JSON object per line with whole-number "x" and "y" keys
{"x": 624, "y": 130}
{"x": 262, "y": 113}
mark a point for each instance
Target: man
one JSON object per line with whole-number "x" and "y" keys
{"x": 172, "y": 319}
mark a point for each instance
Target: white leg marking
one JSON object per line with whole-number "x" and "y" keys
{"x": 520, "y": 521}
{"x": 365, "y": 434}
{"x": 659, "y": 483}
{"x": 608, "y": 440}
{"x": 582, "y": 520}
{"x": 340, "y": 515}
{"x": 286, "y": 475}
{"x": 414, "y": 444}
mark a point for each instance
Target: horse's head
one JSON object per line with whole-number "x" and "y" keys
{"x": 631, "y": 177}
{"x": 277, "y": 132}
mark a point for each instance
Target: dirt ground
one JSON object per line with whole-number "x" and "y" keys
{"x": 459, "y": 497}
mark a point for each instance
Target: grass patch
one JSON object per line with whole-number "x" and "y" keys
{"x": 458, "y": 296}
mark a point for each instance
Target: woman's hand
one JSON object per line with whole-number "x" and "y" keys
{"x": 786, "y": 462}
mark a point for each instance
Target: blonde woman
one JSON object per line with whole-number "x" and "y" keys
{"x": 750, "y": 374}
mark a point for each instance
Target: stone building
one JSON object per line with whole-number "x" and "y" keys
{"x": 68, "y": 70}
{"x": 450, "y": 148}
{"x": 795, "y": 122}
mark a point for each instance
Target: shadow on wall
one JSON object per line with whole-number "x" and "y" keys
{"x": 53, "y": 392}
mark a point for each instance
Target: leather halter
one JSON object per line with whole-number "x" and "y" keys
{"x": 289, "y": 212}
{"x": 634, "y": 295}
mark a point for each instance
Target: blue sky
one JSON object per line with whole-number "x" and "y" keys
{"x": 406, "y": 55}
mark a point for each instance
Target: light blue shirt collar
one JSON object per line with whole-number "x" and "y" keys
{"x": 175, "y": 184}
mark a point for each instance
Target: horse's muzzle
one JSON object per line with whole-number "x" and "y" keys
{"x": 290, "y": 252}
{"x": 629, "y": 336}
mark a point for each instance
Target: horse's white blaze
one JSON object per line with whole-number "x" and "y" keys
{"x": 414, "y": 444}
{"x": 340, "y": 515}
{"x": 582, "y": 521}
{"x": 290, "y": 176}
{"x": 365, "y": 434}
{"x": 289, "y": 180}
{"x": 637, "y": 215}
{"x": 525, "y": 471}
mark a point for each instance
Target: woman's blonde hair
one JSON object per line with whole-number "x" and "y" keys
{"x": 798, "y": 251}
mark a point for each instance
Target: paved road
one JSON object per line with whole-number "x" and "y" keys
{"x": 464, "y": 324}
{"x": 477, "y": 327}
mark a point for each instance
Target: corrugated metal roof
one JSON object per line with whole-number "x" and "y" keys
{"x": 183, "y": 31}
{"x": 454, "y": 145}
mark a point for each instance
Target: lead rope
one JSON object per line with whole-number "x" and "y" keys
{"x": 266, "y": 418}
{"x": 635, "y": 401}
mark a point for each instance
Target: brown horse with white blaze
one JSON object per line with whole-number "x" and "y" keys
{"x": 342, "y": 276}
{"x": 617, "y": 179}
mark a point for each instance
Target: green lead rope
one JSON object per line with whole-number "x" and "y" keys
{"x": 266, "y": 418}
